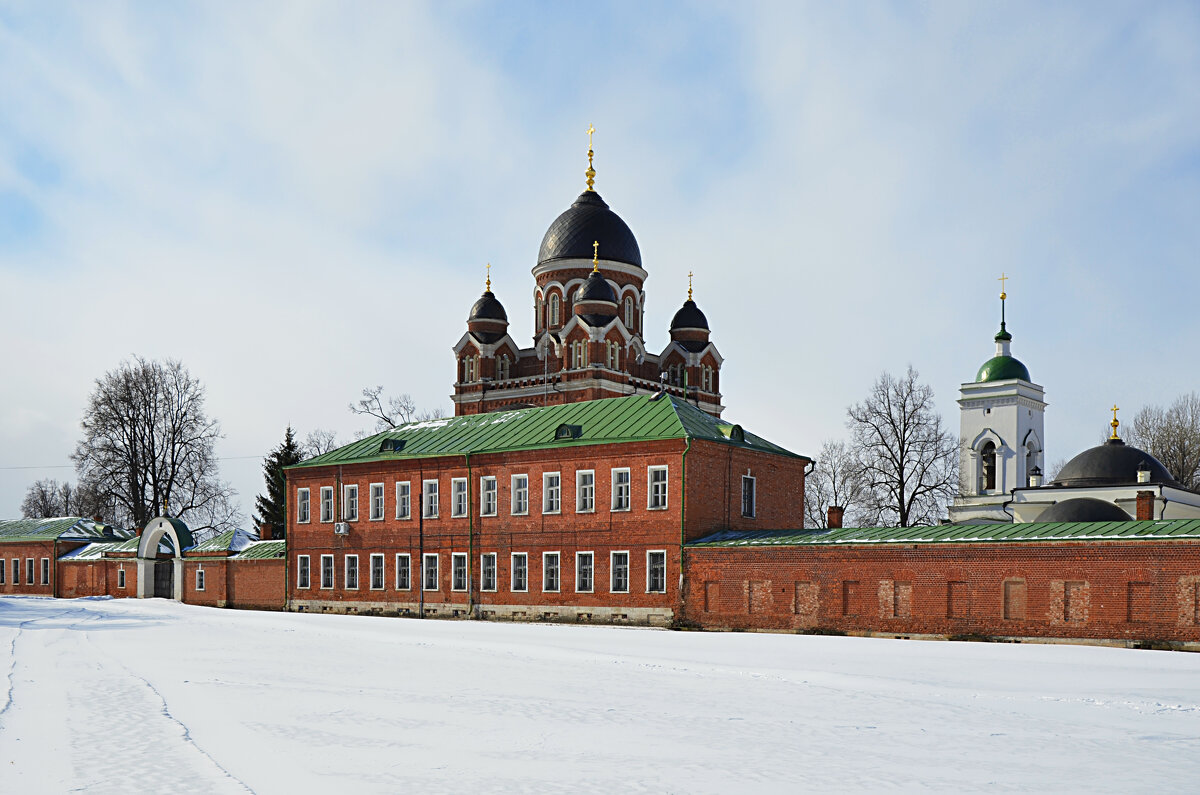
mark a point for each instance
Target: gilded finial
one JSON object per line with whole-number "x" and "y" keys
{"x": 591, "y": 172}
{"x": 689, "y": 285}
{"x": 596, "y": 256}
{"x": 489, "y": 277}
{"x": 1002, "y": 280}
{"x": 1115, "y": 422}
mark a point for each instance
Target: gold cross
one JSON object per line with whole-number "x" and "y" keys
{"x": 1002, "y": 279}
{"x": 591, "y": 130}
{"x": 596, "y": 255}
{"x": 1115, "y": 423}
{"x": 689, "y": 285}
{"x": 489, "y": 277}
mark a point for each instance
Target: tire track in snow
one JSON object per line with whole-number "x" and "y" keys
{"x": 10, "y": 695}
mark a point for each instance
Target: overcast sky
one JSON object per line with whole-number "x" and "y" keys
{"x": 297, "y": 200}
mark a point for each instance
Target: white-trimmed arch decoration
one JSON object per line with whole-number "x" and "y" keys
{"x": 179, "y": 537}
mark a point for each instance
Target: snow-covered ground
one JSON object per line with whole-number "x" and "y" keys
{"x": 154, "y": 696}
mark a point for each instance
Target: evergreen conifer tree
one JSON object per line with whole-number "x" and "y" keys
{"x": 272, "y": 506}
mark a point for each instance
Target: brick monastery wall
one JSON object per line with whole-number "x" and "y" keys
{"x": 16, "y": 564}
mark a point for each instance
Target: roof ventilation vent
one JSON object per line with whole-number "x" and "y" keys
{"x": 391, "y": 445}
{"x": 733, "y": 433}
{"x": 566, "y": 431}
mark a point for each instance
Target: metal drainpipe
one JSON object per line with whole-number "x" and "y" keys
{"x": 470, "y": 539}
{"x": 287, "y": 577}
{"x": 420, "y": 543}
{"x": 683, "y": 523}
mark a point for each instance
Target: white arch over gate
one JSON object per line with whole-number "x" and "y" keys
{"x": 158, "y": 529}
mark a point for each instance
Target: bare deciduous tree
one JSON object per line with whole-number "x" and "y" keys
{"x": 318, "y": 442}
{"x": 1172, "y": 435}
{"x": 836, "y": 480}
{"x": 392, "y": 411}
{"x": 908, "y": 460}
{"x": 49, "y": 498}
{"x": 147, "y": 443}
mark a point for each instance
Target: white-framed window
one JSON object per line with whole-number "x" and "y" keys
{"x": 585, "y": 491}
{"x": 709, "y": 381}
{"x": 520, "y": 572}
{"x": 503, "y": 367}
{"x": 429, "y": 578}
{"x": 458, "y": 571}
{"x": 200, "y": 577}
{"x": 120, "y": 577}
{"x": 620, "y": 489}
{"x": 657, "y": 497}
{"x": 429, "y": 499}
{"x": 376, "y": 502}
{"x": 403, "y": 500}
{"x": 487, "y": 572}
{"x": 327, "y": 503}
{"x": 520, "y": 495}
{"x": 748, "y": 496}
{"x": 377, "y": 573}
{"x": 352, "y": 572}
{"x": 29, "y": 564}
{"x": 45, "y": 571}
{"x": 403, "y": 571}
{"x": 470, "y": 368}
{"x": 613, "y": 355}
{"x": 3, "y": 571}
{"x": 303, "y": 576}
{"x": 629, "y": 312}
{"x": 656, "y": 571}
{"x": 16, "y": 571}
{"x": 350, "y": 503}
{"x": 458, "y": 497}
{"x": 554, "y": 309}
{"x": 327, "y": 571}
{"x": 619, "y": 572}
{"x": 487, "y": 496}
{"x": 550, "y": 572}
{"x": 585, "y": 572}
{"x": 551, "y": 492}
{"x": 302, "y": 506}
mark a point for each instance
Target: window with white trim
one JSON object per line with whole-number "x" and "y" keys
{"x": 487, "y": 572}
{"x": 120, "y": 577}
{"x": 352, "y": 572}
{"x": 550, "y": 572}
{"x": 327, "y": 503}
{"x": 520, "y": 495}
{"x": 29, "y": 564}
{"x": 554, "y": 309}
{"x": 613, "y": 355}
{"x": 403, "y": 571}
{"x": 302, "y": 572}
{"x": 585, "y": 571}
{"x": 403, "y": 500}
{"x": 656, "y": 572}
{"x": 3, "y": 572}
{"x": 45, "y": 571}
{"x": 629, "y": 312}
{"x": 551, "y": 492}
{"x": 429, "y": 579}
{"x": 302, "y": 506}
{"x": 16, "y": 571}
{"x": 520, "y": 572}
{"x": 350, "y": 503}
{"x": 487, "y": 496}
{"x": 458, "y": 571}
{"x": 200, "y": 577}
{"x": 458, "y": 497}
{"x": 377, "y": 573}
{"x": 376, "y": 502}
{"x": 748, "y": 495}
{"x": 327, "y": 571}
{"x": 429, "y": 499}
{"x": 619, "y": 572}
{"x": 657, "y": 498}
{"x": 503, "y": 367}
{"x": 620, "y": 489}
{"x": 585, "y": 491}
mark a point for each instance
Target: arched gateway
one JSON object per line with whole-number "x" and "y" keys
{"x": 162, "y": 577}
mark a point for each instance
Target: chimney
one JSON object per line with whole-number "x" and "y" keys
{"x": 264, "y": 531}
{"x": 1035, "y": 478}
{"x": 1145, "y": 506}
{"x": 833, "y": 517}
{"x": 1143, "y": 473}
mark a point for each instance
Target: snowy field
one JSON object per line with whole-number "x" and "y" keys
{"x": 154, "y": 696}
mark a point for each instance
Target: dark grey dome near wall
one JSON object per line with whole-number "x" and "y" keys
{"x": 586, "y": 221}
{"x": 597, "y": 288}
{"x": 488, "y": 307}
{"x": 689, "y": 316}
{"x": 1084, "y": 509}
{"x": 1113, "y": 463}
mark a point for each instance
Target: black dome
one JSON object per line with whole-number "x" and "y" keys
{"x": 488, "y": 308}
{"x": 689, "y": 316}
{"x": 1084, "y": 509}
{"x": 585, "y": 222}
{"x": 597, "y": 288}
{"x": 1113, "y": 463}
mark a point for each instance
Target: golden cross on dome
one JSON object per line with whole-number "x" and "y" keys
{"x": 489, "y": 277}
{"x": 689, "y": 285}
{"x": 591, "y": 130}
{"x": 591, "y": 172}
{"x": 1002, "y": 279}
{"x": 596, "y": 256}
{"x": 1115, "y": 422}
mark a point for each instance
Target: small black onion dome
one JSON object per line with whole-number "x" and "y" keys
{"x": 587, "y": 220}
{"x": 1084, "y": 509}
{"x": 596, "y": 301}
{"x": 1113, "y": 463}
{"x": 488, "y": 307}
{"x": 689, "y": 316}
{"x": 597, "y": 288}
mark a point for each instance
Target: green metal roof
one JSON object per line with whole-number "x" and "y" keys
{"x": 1002, "y": 368}
{"x": 1170, "y": 529}
{"x": 263, "y": 550}
{"x": 63, "y": 527}
{"x": 607, "y": 421}
{"x": 218, "y": 543}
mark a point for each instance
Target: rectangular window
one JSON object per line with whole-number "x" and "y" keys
{"x": 350, "y": 503}
{"x": 430, "y": 580}
{"x": 487, "y": 496}
{"x": 520, "y": 572}
{"x": 327, "y": 571}
{"x": 302, "y": 515}
{"x": 377, "y": 572}
{"x": 403, "y": 572}
{"x": 352, "y": 572}
{"x": 120, "y": 578}
{"x": 45, "y": 571}
{"x": 585, "y": 491}
{"x": 584, "y": 571}
{"x": 458, "y": 496}
{"x": 619, "y": 571}
{"x": 656, "y": 572}
{"x": 3, "y": 571}
{"x": 458, "y": 571}
{"x": 302, "y": 573}
{"x": 429, "y": 499}
{"x": 487, "y": 572}
{"x": 403, "y": 500}
{"x": 551, "y": 492}
{"x": 327, "y": 503}
{"x": 658, "y": 488}
{"x": 16, "y": 571}
{"x": 199, "y": 578}
{"x": 747, "y": 496}
{"x": 29, "y": 571}
{"x": 376, "y": 502}
{"x": 520, "y": 495}
{"x": 550, "y": 572}
{"x": 620, "y": 490}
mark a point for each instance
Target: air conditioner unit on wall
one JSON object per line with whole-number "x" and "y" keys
{"x": 341, "y": 529}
